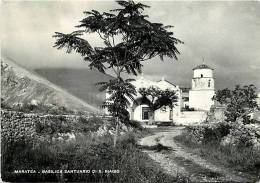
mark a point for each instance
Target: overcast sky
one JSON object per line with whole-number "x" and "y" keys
{"x": 225, "y": 34}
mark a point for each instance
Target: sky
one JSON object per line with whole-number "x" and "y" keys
{"x": 223, "y": 33}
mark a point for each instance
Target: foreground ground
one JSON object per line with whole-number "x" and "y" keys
{"x": 177, "y": 160}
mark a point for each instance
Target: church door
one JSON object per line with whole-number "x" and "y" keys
{"x": 145, "y": 113}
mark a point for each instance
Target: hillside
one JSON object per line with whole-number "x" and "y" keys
{"x": 79, "y": 82}
{"x": 20, "y": 86}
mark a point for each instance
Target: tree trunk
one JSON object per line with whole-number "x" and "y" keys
{"x": 151, "y": 118}
{"x": 116, "y": 132}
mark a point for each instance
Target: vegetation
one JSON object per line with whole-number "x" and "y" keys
{"x": 39, "y": 108}
{"x": 235, "y": 142}
{"x": 239, "y": 102}
{"x": 129, "y": 38}
{"x": 89, "y": 152}
{"x": 234, "y": 145}
{"x": 155, "y": 98}
{"x": 208, "y": 144}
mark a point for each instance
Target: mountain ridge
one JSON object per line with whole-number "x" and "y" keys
{"x": 79, "y": 82}
{"x": 20, "y": 86}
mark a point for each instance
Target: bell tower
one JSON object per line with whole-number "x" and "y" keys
{"x": 202, "y": 88}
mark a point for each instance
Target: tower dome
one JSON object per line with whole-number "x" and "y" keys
{"x": 202, "y": 66}
{"x": 202, "y": 71}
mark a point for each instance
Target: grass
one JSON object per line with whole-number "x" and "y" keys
{"x": 195, "y": 169}
{"x": 243, "y": 159}
{"x": 88, "y": 152}
{"x": 158, "y": 148}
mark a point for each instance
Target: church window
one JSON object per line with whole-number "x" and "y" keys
{"x": 209, "y": 83}
{"x": 201, "y": 75}
{"x": 145, "y": 113}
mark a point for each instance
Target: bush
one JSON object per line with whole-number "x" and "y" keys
{"x": 136, "y": 124}
{"x": 239, "y": 102}
{"x": 233, "y": 145}
{"x": 243, "y": 136}
{"x": 86, "y": 124}
{"x": 207, "y": 132}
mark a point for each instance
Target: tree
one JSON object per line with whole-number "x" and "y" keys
{"x": 129, "y": 39}
{"x": 157, "y": 98}
{"x": 239, "y": 102}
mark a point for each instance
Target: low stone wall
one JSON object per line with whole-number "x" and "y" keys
{"x": 28, "y": 126}
{"x": 190, "y": 118}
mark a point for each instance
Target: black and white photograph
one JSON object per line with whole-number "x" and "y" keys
{"x": 130, "y": 91}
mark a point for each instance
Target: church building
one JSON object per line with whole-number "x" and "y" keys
{"x": 139, "y": 110}
{"x": 192, "y": 104}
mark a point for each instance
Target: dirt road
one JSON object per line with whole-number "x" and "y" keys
{"x": 177, "y": 160}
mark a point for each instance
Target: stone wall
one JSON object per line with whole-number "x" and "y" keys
{"x": 28, "y": 126}
{"x": 190, "y": 118}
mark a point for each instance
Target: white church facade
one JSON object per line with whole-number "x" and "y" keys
{"x": 198, "y": 98}
{"x": 139, "y": 110}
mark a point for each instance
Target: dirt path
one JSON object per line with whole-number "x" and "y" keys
{"x": 177, "y": 160}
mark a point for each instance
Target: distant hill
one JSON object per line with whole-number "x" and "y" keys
{"x": 79, "y": 82}
{"x": 20, "y": 86}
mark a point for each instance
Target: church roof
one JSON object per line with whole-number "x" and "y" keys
{"x": 145, "y": 83}
{"x": 164, "y": 80}
{"x": 202, "y": 66}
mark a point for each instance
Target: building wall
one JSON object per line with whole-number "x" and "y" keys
{"x": 190, "y": 118}
{"x": 163, "y": 115}
{"x": 201, "y": 99}
{"x": 159, "y": 115}
{"x": 219, "y": 113}
{"x": 137, "y": 113}
{"x": 203, "y": 83}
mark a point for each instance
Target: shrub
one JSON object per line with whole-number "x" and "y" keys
{"x": 86, "y": 124}
{"x": 239, "y": 102}
{"x": 207, "y": 132}
{"x": 234, "y": 145}
{"x": 135, "y": 124}
{"x": 243, "y": 136}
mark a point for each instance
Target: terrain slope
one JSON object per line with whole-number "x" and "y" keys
{"x": 20, "y": 86}
{"x": 79, "y": 82}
